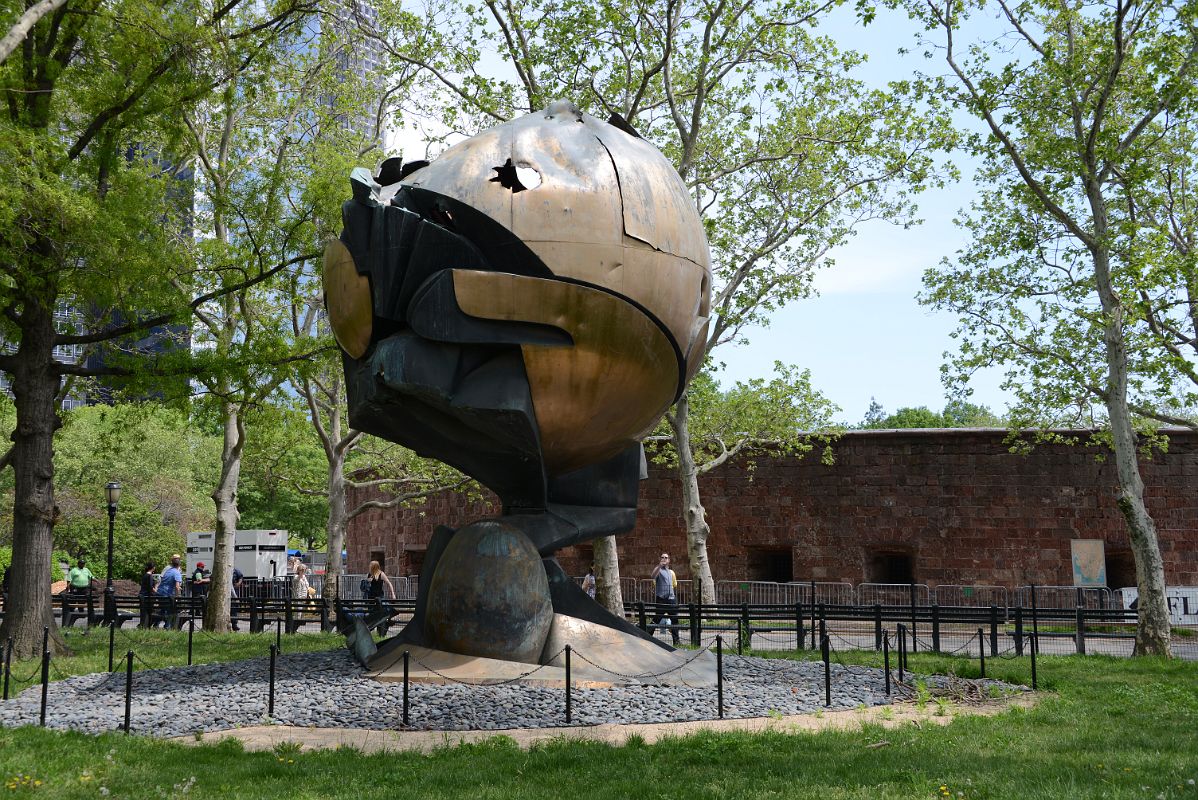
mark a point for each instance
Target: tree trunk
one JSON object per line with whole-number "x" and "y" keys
{"x": 335, "y": 528}
{"x": 216, "y": 608}
{"x": 1152, "y": 629}
{"x": 697, "y": 529}
{"x": 35, "y": 390}
{"x": 607, "y": 575}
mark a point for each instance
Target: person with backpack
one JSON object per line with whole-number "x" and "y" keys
{"x": 199, "y": 582}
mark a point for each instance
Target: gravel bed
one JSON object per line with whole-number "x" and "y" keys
{"x": 330, "y": 690}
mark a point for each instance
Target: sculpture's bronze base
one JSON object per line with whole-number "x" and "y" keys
{"x": 601, "y": 657}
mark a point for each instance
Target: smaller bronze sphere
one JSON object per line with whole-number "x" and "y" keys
{"x": 489, "y": 595}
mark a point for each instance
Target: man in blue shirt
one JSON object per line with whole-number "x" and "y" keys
{"x": 168, "y": 590}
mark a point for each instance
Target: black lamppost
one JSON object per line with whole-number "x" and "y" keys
{"x": 113, "y": 493}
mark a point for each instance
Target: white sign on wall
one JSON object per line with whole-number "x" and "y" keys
{"x": 1182, "y": 600}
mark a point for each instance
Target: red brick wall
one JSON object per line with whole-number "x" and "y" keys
{"x": 958, "y": 503}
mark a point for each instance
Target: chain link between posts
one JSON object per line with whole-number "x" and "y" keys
{"x": 644, "y": 675}
{"x": 504, "y": 682}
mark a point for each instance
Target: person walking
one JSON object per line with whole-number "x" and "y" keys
{"x": 588, "y": 583}
{"x": 299, "y": 596}
{"x": 168, "y": 592}
{"x": 379, "y": 585}
{"x": 236, "y": 588}
{"x": 665, "y": 588}
{"x": 199, "y": 582}
{"x": 145, "y": 593}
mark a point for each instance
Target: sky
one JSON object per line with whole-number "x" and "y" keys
{"x": 864, "y": 336}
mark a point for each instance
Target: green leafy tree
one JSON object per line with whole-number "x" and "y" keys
{"x": 1072, "y": 272}
{"x": 784, "y": 152}
{"x": 956, "y": 414}
{"x": 281, "y": 458}
{"x": 354, "y": 461}
{"x": 784, "y": 415}
{"x": 91, "y": 216}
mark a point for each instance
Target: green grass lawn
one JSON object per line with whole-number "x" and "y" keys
{"x": 1104, "y": 728}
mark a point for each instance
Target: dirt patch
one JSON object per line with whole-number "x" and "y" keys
{"x": 266, "y": 737}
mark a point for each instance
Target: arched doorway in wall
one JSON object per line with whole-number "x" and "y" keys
{"x": 1120, "y": 569}
{"x": 890, "y": 565}
{"x": 772, "y": 564}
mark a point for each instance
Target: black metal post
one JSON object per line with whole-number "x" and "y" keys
{"x": 1035, "y": 624}
{"x": 693, "y": 612}
{"x": 993, "y": 630}
{"x": 128, "y": 690}
{"x": 1019, "y": 631}
{"x": 877, "y": 626}
{"x": 270, "y": 703}
{"x": 191, "y": 632}
{"x": 569, "y": 711}
{"x": 886, "y": 659}
{"x": 66, "y": 608}
{"x": 902, "y": 644}
{"x": 719, "y": 674}
{"x": 289, "y": 615}
{"x": 914, "y": 646}
{"x": 1079, "y": 633}
{"x": 45, "y": 672}
{"x": 7, "y": 664}
{"x": 935, "y": 628}
{"x": 799, "y": 633}
{"x": 813, "y": 604}
{"x": 111, "y": 632}
{"x": 1032, "y": 650}
{"x": 325, "y": 626}
{"x": 982, "y": 651}
{"x": 255, "y": 619}
{"x": 406, "y": 656}
{"x": 279, "y": 634}
{"x": 740, "y": 637}
{"x": 823, "y": 621}
{"x": 640, "y": 610}
{"x": 826, "y": 651}
{"x": 109, "y": 591}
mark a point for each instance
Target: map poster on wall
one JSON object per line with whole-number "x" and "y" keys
{"x": 1089, "y": 562}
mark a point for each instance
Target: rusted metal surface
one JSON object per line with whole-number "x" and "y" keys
{"x": 347, "y": 299}
{"x": 489, "y": 595}
{"x": 593, "y": 399}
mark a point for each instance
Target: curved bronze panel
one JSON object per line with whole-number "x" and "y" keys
{"x": 658, "y": 209}
{"x": 698, "y": 347}
{"x": 607, "y": 208}
{"x": 669, "y": 286}
{"x": 347, "y": 299}
{"x": 595, "y": 398}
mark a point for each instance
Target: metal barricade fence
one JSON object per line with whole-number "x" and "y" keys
{"x": 1066, "y": 597}
{"x": 834, "y": 593}
{"x": 762, "y": 593}
{"x": 892, "y": 594}
{"x": 972, "y": 596}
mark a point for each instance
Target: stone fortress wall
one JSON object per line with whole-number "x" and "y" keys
{"x": 951, "y": 506}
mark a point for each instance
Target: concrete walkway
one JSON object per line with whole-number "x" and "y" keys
{"x": 266, "y": 737}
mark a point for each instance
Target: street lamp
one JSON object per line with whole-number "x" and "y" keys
{"x": 113, "y": 493}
